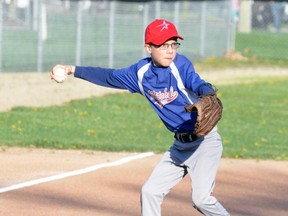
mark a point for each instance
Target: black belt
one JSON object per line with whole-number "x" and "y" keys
{"x": 186, "y": 137}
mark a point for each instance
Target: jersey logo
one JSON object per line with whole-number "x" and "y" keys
{"x": 164, "y": 25}
{"x": 162, "y": 98}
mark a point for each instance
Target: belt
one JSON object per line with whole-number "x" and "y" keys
{"x": 186, "y": 137}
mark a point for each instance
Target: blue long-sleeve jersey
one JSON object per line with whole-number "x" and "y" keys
{"x": 168, "y": 89}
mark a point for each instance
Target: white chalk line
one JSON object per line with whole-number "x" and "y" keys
{"x": 75, "y": 172}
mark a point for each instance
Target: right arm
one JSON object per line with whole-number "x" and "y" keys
{"x": 99, "y": 76}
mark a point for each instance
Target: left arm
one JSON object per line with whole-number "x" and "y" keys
{"x": 204, "y": 88}
{"x": 191, "y": 79}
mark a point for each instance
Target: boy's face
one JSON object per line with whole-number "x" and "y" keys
{"x": 163, "y": 55}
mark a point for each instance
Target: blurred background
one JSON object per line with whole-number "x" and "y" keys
{"x": 37, "y": 34}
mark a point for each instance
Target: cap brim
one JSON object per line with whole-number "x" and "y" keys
{"x": 161, "y": 41}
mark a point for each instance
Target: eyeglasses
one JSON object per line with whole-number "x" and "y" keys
{"x": 165, "y": 46}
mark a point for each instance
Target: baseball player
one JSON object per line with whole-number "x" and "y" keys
{"x": 169, "y": 82}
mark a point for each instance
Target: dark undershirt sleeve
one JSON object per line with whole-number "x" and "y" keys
{"x": 204, "y": 89}
{"x": 99, "y": 76}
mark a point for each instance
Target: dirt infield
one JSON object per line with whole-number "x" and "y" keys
{"x": 245, "y": 187}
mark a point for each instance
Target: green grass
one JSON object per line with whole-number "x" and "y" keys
{"x": 263, "y": 45}
{"x": 254, "y": 123}
{"x": 261, "y": 48}
{"x": 112, "y": 123}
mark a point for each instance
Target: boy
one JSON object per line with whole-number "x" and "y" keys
{"x": 169, "y": 82}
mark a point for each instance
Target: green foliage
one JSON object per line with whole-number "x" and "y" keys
{"x": 254, "y": 123}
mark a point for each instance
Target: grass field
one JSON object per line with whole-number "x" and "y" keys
{"x": 263, "y": 45}
{"x": 254, "y": 123}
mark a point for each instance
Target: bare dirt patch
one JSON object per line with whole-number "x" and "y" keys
{"x": 245, "y": 187}
{"x": 36, "y": 89}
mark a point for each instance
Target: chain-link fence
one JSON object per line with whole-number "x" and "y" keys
{"x": 262, "y": 28}
{"x": 270, "y": 15}
{"x": 36, "y": 34}
{"x": 41, "y": 33}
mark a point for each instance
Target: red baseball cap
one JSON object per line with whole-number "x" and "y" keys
{"x": 159, "y": 31}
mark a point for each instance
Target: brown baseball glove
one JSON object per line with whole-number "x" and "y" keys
{"x": 209, "y": 112}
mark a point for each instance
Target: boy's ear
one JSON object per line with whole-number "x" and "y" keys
{"x": 148, "y": 48}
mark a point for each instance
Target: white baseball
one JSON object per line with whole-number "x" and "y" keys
{"x": 59, "y": 75}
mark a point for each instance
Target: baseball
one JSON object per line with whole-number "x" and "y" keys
{"x": 59, "y": 75}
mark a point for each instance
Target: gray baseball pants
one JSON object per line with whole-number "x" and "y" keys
{"x": 200, "y": 160}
